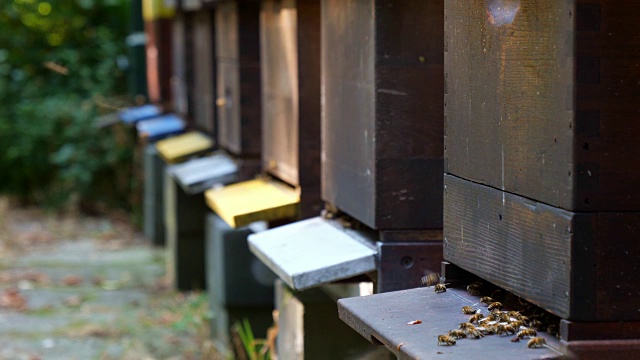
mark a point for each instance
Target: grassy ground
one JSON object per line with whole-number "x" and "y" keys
{"x": 75, "y": 287}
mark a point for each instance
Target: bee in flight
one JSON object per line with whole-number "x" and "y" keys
{"x": 446, "y": 340}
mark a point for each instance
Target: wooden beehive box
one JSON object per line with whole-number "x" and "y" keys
{"x": 181, "y": 52}
{"x": 540, "y": 151}
{"x": 203, "y": 74}
{"x": 237, "y": 49}
{"x": 157, "y": 27}
{"x": 382, "y": 121}
{"x": 290, "y": 58}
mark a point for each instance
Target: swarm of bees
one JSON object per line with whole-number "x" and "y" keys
{"x": 499, "y": 322}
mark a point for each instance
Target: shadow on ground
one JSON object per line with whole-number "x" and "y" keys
{"x": 75, "y": 287}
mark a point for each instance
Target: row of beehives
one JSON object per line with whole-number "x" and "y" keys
{"x": 359, "y": 108}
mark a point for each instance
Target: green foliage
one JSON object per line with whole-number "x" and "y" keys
{"x": 56, "y": 59}
{"x": 255, "y": 349}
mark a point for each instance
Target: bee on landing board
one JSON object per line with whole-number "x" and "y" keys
{"x": 536, "y": 342}
{"x": 457, "y": 334}
{"x": 446, "y": 340}
{"x": 486, "y": 300}
{"x": 439, "y": 288}
{"x": 475, "y": 318}
{"x": 506, "y": 329}
{"x": 474, "y": 288}
{"x": 495, "y": 306}
{"x": 468, "y": 310}
{"x": 527, "y": 333}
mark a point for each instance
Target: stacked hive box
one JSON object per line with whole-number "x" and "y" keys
{"x": 540, "y": 144}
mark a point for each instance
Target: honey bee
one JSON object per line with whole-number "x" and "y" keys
{"x": 457, "y": 334}
{"x": 503, "y": 317}
{"x": 468, "y": 310}
{"x": 497, "y": 294}
{"x": 486, "y": 300}
{"x": 446, "y": 340}
{"x": 527, "y": 333}
{"x": 475, "y": 318}
{"x": 495, "y": 306}
{"x": 475, "y": 332}
{"x": 536, "y": 342}
{"x": 506, "y": 329}
{"x": 466, "y": 326}
{"x": 516, "y": 324}
{"x": 430, "y": 279}
{"x": 439, "y": 288}
{"x": 552, "y": 329}
{"x": 514, "y": 314}
{"x": 474, "y": 288}
{"x": 536, "y": 324}
{"x": 488, "y": 329}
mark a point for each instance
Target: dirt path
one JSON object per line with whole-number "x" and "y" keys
{"x": 89, "y": 288}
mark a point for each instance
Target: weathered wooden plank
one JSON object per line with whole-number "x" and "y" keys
{"x": 181, "y": 52}
{"x": 160, "y": 127}
{"x": 383, "y": 318}
{"x": 197, "y": 175}
{"x": 539, "y": 100}
{"x": 242, "y": 203}
{"x": 579, "y": 266}
{"x": 401, "y": 265}
{"x": 308, "y": 253}
{"x": 382, "y": 118}
{"x": 238, "y": 77}
{"x": 204, "y": 82}
{"x": 290, "y": 57}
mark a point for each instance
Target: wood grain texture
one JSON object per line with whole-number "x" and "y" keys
{"x": 204, "y": 82}
{"x": 579, "y": 266}
{"x": 290, "y": 50}
{"x": 401, "y": 265}
{"x": 159, "y": 59}
{"x": 179, "y": 75}
{"x": 539, "y": 100}
{"x": 238, "y": 75}
{"x": 382, "y": 319}
{"x": 382, "y": 111}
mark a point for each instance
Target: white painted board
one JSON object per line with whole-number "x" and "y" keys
{"x": 312, "y": 252}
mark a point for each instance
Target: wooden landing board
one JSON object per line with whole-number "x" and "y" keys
{"x": 160, "y": 127}
{"x": 134, "y": 114}
{"x": 254, "y": 200}
{"x": 197, "y": 175}
{"x": 179, "y": 147}
{"x": 383, "y": 318}
{"x": 308, "y": 253}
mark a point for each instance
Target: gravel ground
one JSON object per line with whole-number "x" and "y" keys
{"x": 76, "y": 287}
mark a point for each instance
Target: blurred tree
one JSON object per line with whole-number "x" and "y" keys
{"x": 58, "y": 60}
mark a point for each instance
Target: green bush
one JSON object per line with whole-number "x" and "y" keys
{"x": 56, "y": 59}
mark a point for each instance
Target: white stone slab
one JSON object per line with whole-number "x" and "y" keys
{"x": 312, "y": 252}
{"x": 197, "y": 175}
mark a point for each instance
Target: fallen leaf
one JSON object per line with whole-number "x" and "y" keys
{"x": 414, "y": 322}
{"x": 72, "y": 280}
{"x": 12, "y": 299}
{"x": 73, "y": 301}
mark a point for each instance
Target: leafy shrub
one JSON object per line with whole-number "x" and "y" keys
{"x": 56, "y": 59}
